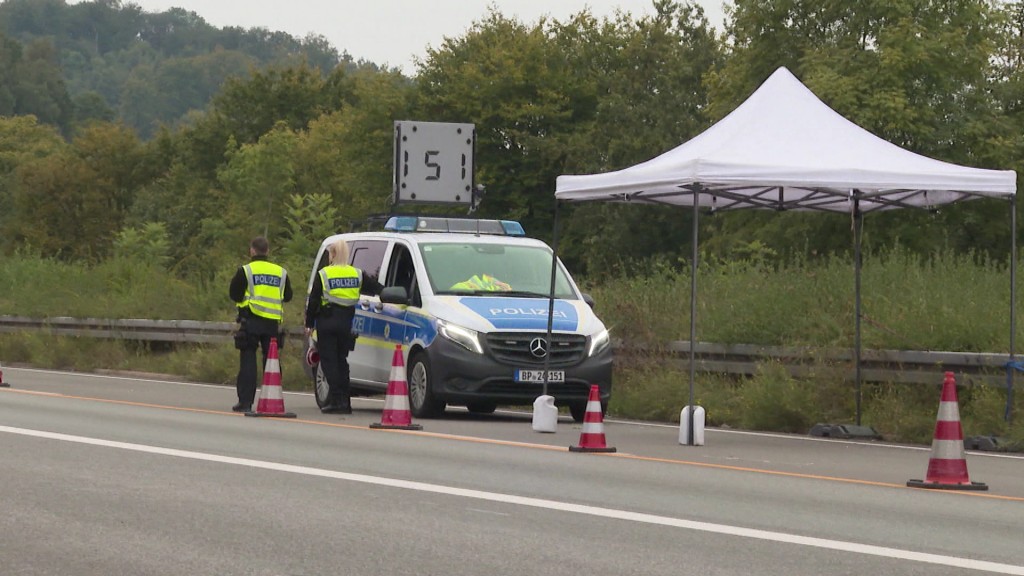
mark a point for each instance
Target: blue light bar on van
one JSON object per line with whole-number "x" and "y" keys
{"x": 513, "y": 228}
{"x": 401, "y": 224}
{"x": 454, "y": 225}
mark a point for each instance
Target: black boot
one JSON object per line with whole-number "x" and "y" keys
{"x": 338, "y": 406}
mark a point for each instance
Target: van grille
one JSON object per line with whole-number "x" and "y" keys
{"x": 513, "y": 348}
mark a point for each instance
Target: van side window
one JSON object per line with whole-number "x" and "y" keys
{"x": 368, "y": 255}
{"x": 402, "y": 272}
{"x": 325, "y": 259}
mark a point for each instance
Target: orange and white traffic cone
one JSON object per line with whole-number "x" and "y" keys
{"x": 2, "y": 383}
{"x": 271, "y": 398}
{"x": 947, "y": 467}
{"x": 592, "y": 436}
{"x": 396, "y": 413}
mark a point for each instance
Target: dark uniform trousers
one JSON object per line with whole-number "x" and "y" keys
{"x": 333, "y": 342}
{"x": 254, "y": 333}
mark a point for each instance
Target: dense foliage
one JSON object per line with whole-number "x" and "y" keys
{"x": 145, "y": 69}
{"x": 123, "y": 131}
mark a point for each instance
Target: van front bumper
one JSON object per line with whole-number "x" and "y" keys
{"x": 461, "y": 377}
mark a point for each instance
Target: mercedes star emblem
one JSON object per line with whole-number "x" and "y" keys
{"x": 539, "y": 347}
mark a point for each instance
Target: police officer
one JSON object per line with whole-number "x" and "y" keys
{"x": 330, "y": 309}
{"x": 259, "y": 289}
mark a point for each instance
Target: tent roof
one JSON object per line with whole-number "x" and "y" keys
{"x": 784, "y": 149}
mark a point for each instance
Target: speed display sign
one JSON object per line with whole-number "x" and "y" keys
{"x": 433, "y": 162}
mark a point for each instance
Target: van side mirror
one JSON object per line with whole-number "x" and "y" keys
{"x": 394, "y": 295}
{"x": 588, "y": 299}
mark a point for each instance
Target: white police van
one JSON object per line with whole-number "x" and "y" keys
{"x": 478, "y": 347}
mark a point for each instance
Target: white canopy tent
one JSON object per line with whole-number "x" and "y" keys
{"x": 784, "y": 149}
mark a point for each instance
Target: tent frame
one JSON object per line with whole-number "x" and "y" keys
{"x": 783, "y": 149}
{"x": 779, "y": 204}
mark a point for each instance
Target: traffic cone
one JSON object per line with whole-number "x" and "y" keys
{"x": 947, "y": 467}
{"x": 271, "y": 399}
{"x": 2, "y": 383}
{"x": 592, "y": 436}
{"x": 396, "y": 413}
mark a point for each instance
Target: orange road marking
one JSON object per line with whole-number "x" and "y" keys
{"x": 497, "y": 442}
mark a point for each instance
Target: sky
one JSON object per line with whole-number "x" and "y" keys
{"x": 393, "y": 32}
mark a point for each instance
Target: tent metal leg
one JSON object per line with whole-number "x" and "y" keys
{"x": 1011, "y": 367}
{"x": 858, "y": 222}
{"x": 693, "y": 316}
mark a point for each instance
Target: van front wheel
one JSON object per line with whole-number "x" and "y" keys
{"x": 422, "y": 402}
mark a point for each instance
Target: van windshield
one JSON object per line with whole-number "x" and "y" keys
{"x": 483, "y": 268}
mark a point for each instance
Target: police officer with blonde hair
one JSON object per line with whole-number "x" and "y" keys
{"x": 330, "y": 309}
{"x": 259, "y": 289}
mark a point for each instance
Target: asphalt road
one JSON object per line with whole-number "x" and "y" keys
{"x": 104, "y": 475}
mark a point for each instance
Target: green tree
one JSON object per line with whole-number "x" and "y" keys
{"x": 258, "y": 179}
{"x": 10, "y": 56}
{"x": 917, "y": 73}
{"x": 193, "y": 210}
{"x": 309, "y": 218}
{"x": 151, "y": 68}
{"x": 647, "y": 75}
{"x": 585, "y": 95}
{"x": 40, "y": 88}
{"x": 61, "y": 208}
{"x": 148, "y": 243}
{"x": 72, "y": 201}
{"x": 166, "y": 91}
{"x": 91, "y": 106}
{"x": 22, "y": 140}
{"x": 349, "y": 153}
{"x": 114, "y": 153}
{"x": 513, "y": 83}
{"x": 31, "y": 82}
{"x": 249, "y": 107}
{"x": 107, "y": 25}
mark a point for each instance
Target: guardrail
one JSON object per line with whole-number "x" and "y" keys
{"x": 900, "y": 366}
{"x": 124, "y": 329}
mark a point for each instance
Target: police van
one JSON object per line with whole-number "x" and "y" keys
{"x": 467, "y": 301}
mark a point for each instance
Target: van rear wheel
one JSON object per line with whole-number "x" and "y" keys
{"x": 422, "y": 401}
{"x": 321, "y": 390}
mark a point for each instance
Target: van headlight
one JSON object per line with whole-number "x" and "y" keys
{"x": 598, "y": 342}
{"x": 464, "y": 337}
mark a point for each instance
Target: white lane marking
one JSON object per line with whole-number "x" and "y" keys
{"x": 494, "y": 512}
{"x": 839, "y": 545}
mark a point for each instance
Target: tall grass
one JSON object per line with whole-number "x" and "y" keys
{"x": 946, "y": 302}
{"x": 117, "y": 288}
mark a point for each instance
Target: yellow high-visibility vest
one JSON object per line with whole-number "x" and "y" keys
{"x": 481, "y": 282}
{"x": 265, "y": 289}
{"x": 340, "y": 285}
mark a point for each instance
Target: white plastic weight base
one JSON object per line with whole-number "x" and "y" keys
{"x": 698, "y": 426}
{"x": 545, "y": 414}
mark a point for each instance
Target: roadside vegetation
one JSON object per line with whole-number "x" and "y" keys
{"x": 749, "y": 302}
